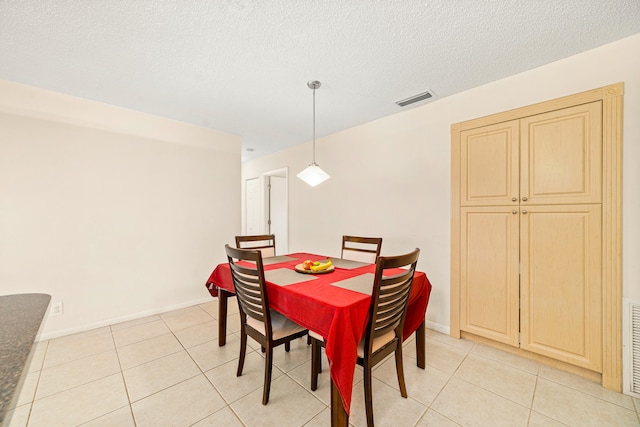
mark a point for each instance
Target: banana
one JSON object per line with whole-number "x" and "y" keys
{"x": 321, "y": 267}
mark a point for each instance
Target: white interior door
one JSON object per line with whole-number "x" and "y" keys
{"x": 253, "y": 214}
{"x": 278, "y": 221}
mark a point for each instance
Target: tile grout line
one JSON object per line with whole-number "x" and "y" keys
{"x": 227, "y": 403}
{"x": 124, "y": 381}
{"x": 533, "y": 397}
{"x": 35, "y": 392}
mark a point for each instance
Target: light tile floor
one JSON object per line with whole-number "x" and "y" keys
{"x": 168, "y": 370}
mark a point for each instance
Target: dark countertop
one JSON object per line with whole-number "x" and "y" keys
{"x": 20, "y": 318}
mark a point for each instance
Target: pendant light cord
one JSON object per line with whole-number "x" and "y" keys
{"x": 314, "y": 125}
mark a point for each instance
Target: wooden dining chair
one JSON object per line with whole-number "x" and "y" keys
{"x": 383, "y": 335}
{"x": 363, "y": 249}
{"x": 268, "y": 327}
{"x": 265, "y": 243}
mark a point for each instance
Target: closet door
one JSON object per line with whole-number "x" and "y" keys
{"x": 489, "y": 158}
{"x": 538, "y": 189}
{"x": 489, "y": 272}
{"x": 561, "y": 156}
{"x": 561, "y": 285}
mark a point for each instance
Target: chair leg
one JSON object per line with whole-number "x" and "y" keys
{"x": 287, "y": 346}
{"x": 268, "y": 364}
{"x": 243, "y": 351}
{"x": 316, "y": 363}
{"x": 368, "y": 393}
{"x": 400, "y": 370}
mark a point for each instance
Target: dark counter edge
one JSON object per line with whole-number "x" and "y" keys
{"x": 21, "y": 319}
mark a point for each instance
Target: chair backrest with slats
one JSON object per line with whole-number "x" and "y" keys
{"x": 363, "y": 249}
{"x": 249, "y": 284}
{"x": 265, "y": 243}
{"x": 390, "y": 295}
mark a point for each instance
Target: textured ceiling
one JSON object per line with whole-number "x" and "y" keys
{"x": 241, "y": 66}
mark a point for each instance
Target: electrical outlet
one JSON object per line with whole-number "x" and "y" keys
{"x": 56, "y": 309}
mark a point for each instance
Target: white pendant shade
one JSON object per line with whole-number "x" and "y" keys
{"x": 313, "y": 175}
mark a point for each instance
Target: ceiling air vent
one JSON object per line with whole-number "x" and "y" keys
{"x": 416, "y": 98}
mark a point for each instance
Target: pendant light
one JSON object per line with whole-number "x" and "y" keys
{"x": 313, "y": 175}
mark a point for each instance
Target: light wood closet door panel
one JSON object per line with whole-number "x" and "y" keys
{"x": 560, "y": 283}
{"x": 561, "y": 153}
{"x": 489, "y": 165}
{"x": 489, "y": 273}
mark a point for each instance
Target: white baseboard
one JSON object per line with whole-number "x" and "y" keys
{"x": 108, "y": 322}
{"x": 438, "y": 327}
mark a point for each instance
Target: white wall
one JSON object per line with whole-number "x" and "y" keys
{"x": 391, "y": 177}
{"x": 115, "y": 213}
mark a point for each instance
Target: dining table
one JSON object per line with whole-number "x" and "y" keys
{"x": 334, "y": 304}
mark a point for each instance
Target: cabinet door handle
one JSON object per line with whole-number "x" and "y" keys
{"x": 513, "y": 199}
{"x": 524, "y": 212}
{"x": 524, "y": 199}
{"x": 514, "y": 211}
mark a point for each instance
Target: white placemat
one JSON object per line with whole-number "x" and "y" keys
{"x": 362, "y": 283}
{"x": 284, "y": 277}
{"x": 277, "y": 259}
{"x": 347, "y": 264}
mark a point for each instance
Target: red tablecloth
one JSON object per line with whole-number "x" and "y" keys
{"x": 338, "y": 314}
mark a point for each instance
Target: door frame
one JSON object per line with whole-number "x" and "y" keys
{"x": 281, "y": 172}
{"x": 612, "y": 101}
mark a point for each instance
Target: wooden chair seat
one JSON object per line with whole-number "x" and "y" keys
{"x": 281, "y": 326}
{"x": 378, "y": 342}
